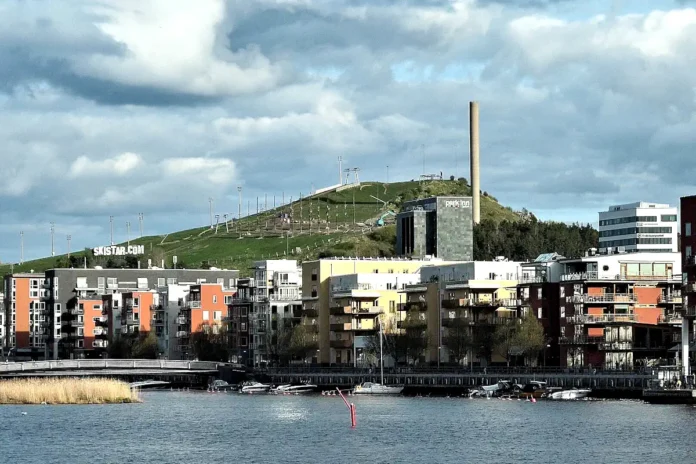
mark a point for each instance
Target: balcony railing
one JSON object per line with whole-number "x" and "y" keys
{"x": 601, "y": 319}
{"x": 690, "y": 287}
{"x": 527, "y": 279}
{"x": 365, "y": 311}
{"x": 603, "y": 298}
{"x": 671, "y": 299}
{"x": 594, "y": 275}
{"x": 416, "y": 305}
{"x": 690, "y": 311}
{"x": 580, "y": 340}
{"x": 670, "y": 319}
{"x": 454, "y": 303}
{"x": 194, "y": 304}
{"x": 181, "y": 320}
{"x": 182, "y": 334}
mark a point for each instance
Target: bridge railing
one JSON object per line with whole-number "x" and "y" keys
{"x": 77, "y": 364}
{"x": 452, "y": 370}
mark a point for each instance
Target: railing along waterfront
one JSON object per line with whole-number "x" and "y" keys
{"x": 452, "y": 370}
{"x": 108, "y": 364}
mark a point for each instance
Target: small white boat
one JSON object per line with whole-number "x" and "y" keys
{"x": 255, "y": 387}
{"x": 575, "y": 394}
{"x": 369, "y": 388}
{"x": 294, "y": 389}
{"x": 220, "y": 386}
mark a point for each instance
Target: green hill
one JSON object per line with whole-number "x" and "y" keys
{"x": 332, "y": 223}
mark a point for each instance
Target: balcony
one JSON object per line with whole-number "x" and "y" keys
{"x": 412, "y": 324}
{"x": 100, "y": 344}
{"x": 341, "y": 327}
{"x": 690, "y": 287}
{"x": 309, "y": 313}
{"x": 580, "y": 340}
{"x": 671, "y": 299}
{"x": 76, "y": 311}
{"x": 194, "y": 304}
{"x": 354, "y": 291}
{"x": 341, "y": 343}
{"x": 509, "y": 302}
{"x": 531, "y": 279}
{"x": 99, "y": 331}
{"x": 182, "y": 320}
{"x": 158, "y": 321}
{"x": 602, "y": 319}
{"x": 414, "y": 306}
{"x": 690, "y": 261}
{"x": 616, "y": 346}
{"x": 103, "y": 321}
{"x": 182, "y": 334}
{"x": 671, "y": 319}
{"x": 455, "y": 303}
{"x": 603, "y": 298}
{"x": 456, "y": 321}
{"x": 690, "y": 311}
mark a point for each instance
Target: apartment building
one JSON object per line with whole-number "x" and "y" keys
{"x": 619, "y": 311}
{"x": 687, "y": 206}
{"x": 538, "y": 291}
{"x": 165, "y": 318}
{"x": 40, "y": 306}
{"x": 3, "y": 342}
{"x": 641, "y": 226}
{"x": 25, "y": 323}
{"x": 359, "y": 303}
{"x": 205, "y": 309}
{"x": 470, "y": 298}
{"x": 273, "y": 303}
{"x": 318, "y": 277}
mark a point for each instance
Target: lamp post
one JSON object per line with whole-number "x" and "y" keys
{"x": 545, "y": 348}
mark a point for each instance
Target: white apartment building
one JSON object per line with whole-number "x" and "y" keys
{"x": 500, "y": 269}
{"x": 170, "y": 300}
{"x": 276, "y": 304}
{"x": 641, "y": 226}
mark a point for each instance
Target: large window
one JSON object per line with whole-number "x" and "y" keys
{"x": 637, "y": 230}
{"x": 669, "y": 218}
{"x": 628, "y": 220}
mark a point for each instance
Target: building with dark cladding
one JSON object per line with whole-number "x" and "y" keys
{"x": 436, "y": 226}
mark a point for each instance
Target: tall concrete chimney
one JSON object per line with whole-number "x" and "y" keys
{"x": 474, "y": 158}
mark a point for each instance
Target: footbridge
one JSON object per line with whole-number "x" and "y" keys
{"x": 178, "y": 372}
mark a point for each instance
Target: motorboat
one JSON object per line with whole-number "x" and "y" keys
{"x": 496, "y": 389}
{"x": 371, "y": 388}
{"x": 533, "y": 389}
{"x": 574, "y": 394}
{"x": 294, "y": 389}
{"x": 221, "y": 385}
{"x": 255, "y": 387}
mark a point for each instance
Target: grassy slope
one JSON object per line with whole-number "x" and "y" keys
{"x": 264, "y": 236}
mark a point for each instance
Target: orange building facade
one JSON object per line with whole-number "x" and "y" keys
{"x": 25, "y": 320}
{"x": 205, "y": 309}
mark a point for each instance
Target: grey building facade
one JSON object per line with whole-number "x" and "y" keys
{"x": 436, "y": 226}
{"x": 66, "y": 286}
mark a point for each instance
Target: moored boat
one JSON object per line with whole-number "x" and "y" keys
{"x": 573, "y": 394}
{"x": 255, "y": 387}
{"x": 370, "y": 388}
{"x": 294, "y": 389}
{"x": 533, "y": 389}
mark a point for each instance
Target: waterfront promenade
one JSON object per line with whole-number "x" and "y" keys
{"x": 608, "y": 382}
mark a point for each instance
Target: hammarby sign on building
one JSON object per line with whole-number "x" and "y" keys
{"x": 115, "y": 250}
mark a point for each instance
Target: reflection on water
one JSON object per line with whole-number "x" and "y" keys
{"x": 184, "y": 427}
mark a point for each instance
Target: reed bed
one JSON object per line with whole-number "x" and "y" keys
{"x": 66, "y": 391}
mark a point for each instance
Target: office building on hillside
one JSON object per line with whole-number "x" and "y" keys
{"x": 645, "y": 227}
{"x": 441, "y": 227}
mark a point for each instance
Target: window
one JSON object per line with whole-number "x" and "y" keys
{"x": 81, "y": 282}
{"x": 81, "y": 307}
{"x": 214, "y": 298}
{"x": 136, "y": 302}
{"x": 206, "y": 315}
{"x": 217, "y": 315}
{"x": 243, "y": 341}
{"x": 688, "y": 229}
{"x": 161, "y": 281}
{"x": 200, "y": 281}
{"x": 314, "y": 276}
{"x": 539, "y": 293}
{"x": 97, "y": 307}
{"x": 243, "y": 312}
{"x": 376, "y": 271}
{"x": 243, "y": 327}
{"x": 112, "y": 282}
{"x": 688, "y": 251}
{"x": 171, "y": 281}
{"x": 563, "y": 311}
{"x": 228, "y": 299}
{"x": 80, "y": 331}
{"x": 669, "y": 218}
{"x": 136, "y": 316}
{"x": 221, "y": 280}
{"x": 142, "y": 283}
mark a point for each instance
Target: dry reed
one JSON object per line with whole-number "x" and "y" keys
{"x": 66, "y": 391}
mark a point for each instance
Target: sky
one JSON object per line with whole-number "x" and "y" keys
{"x": 120, "y": 107}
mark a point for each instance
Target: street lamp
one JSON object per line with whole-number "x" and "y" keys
{"x": 545, "y": 348}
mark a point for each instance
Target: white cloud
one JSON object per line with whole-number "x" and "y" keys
{"x": 117, "y": 166}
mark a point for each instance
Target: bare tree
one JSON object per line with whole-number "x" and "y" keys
{"x": 505, "y": 338}
{"x": 458, "y": 339}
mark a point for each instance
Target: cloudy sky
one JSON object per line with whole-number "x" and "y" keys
{"x": 116, "y": 107}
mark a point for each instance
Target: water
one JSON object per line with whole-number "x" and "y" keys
{"x": 201, "y": 428}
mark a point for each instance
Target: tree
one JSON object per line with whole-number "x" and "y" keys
{"x": 505, "y": 338}
{"x": 458, "y": 339}
{"x": 302, "y": 343}
{"x": 484, "y": 341}
{"x": 278, "y": 344}
{"x": 209, "y": 343}
{"x": 530, "y": 338}
{"x": 415, "y": 335}
{"x": 145, "y": 346}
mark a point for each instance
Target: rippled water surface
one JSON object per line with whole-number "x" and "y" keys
{"x": 178, "y": 427}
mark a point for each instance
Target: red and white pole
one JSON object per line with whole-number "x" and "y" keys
{"x": 351, "y": 409}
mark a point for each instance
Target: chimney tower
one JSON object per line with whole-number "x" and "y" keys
{"x": 474, "y": 160}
